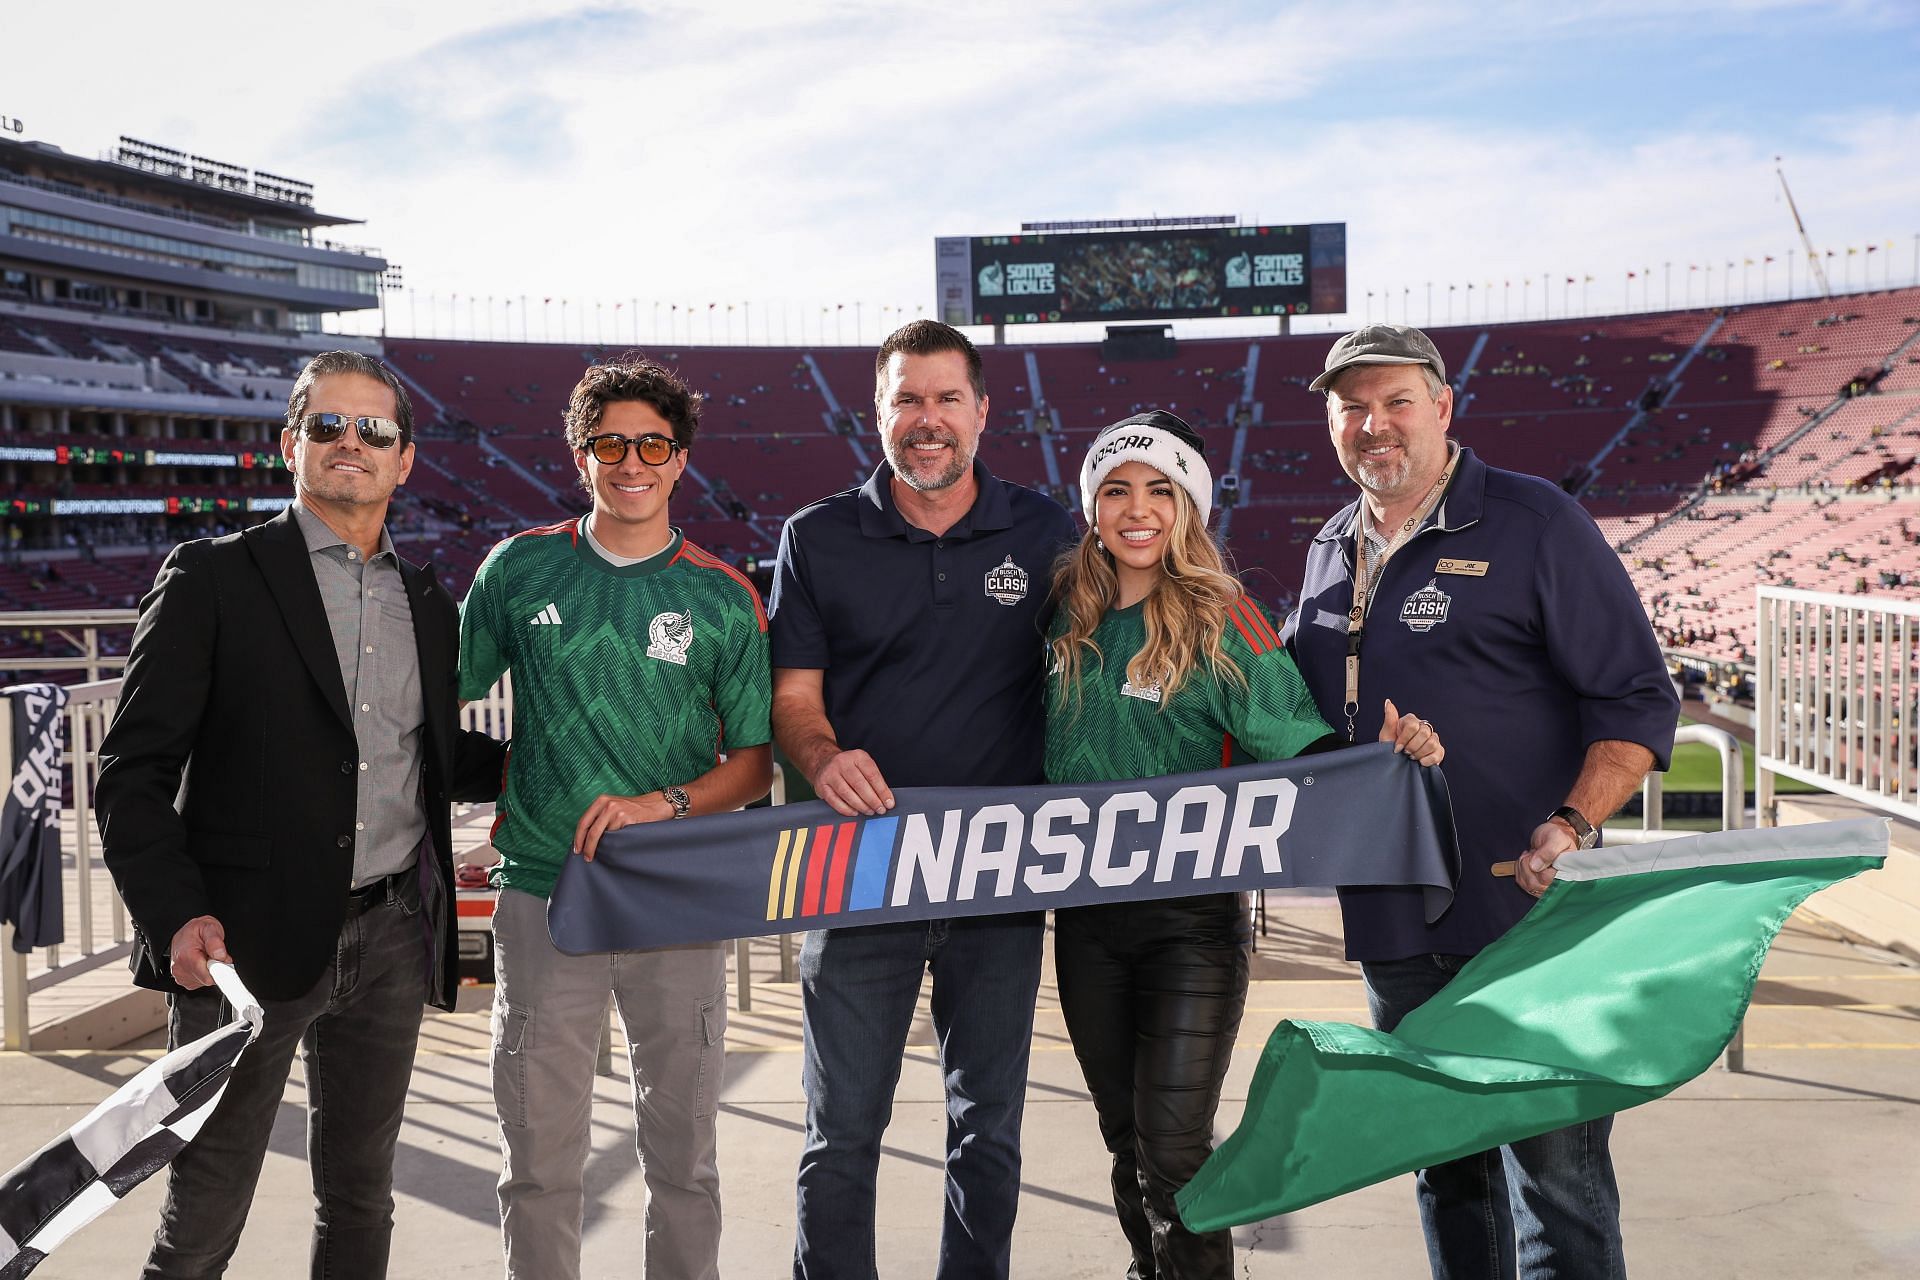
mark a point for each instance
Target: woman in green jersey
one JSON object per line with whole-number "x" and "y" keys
{"x": 1163, "y": 664}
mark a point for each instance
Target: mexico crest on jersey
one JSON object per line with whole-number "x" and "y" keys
{"x": 669, "y": 636}
{"x": 1007, "y": 582}
{"x": 1426, "y": 608}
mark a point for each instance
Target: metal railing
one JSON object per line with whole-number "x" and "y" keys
{"x": 80, "y": 628}
{"x": 89, "y": 710}
{"x": 1837, "y": 698}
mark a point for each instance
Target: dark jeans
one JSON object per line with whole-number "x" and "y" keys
{"x": 858, "y": 988}
{"x": 1546, "y": 1207}
{"x": 356, "y": 1030}
{"x": 1153, "y": 993}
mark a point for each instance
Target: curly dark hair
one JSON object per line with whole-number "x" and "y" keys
{"x": 632, "y": 377}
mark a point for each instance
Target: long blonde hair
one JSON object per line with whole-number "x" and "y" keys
{"x": 1185, "y": 612}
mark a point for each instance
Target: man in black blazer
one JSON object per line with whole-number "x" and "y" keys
{"x": 274, "y": 791}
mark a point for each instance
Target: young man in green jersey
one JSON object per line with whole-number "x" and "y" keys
{"x": 641, "y": 694}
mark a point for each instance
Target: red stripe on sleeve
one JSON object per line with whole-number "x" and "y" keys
{"x": 1245, "y": 634}
{"x": 707, "y": 560}
{"x": 1255, "y": 637}
{"x": 1265, "y": 625}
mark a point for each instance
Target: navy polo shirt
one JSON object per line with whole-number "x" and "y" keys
{"x": 1508, "y": 622}
{"x": 933, "y": 648}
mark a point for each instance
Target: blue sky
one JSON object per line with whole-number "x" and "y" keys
{"x": 805, "y": 154}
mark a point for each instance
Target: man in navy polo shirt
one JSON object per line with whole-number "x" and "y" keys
{"x": 907, "y": 626}
{"x": 1490, "y": 600}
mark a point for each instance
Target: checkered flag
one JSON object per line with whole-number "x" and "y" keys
{"x": 132, "y": 1135}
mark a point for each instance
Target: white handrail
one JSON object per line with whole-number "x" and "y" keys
{"x": 1837, "y": 697}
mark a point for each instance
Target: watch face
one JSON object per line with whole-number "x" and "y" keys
{"x": 1584, "y": 834}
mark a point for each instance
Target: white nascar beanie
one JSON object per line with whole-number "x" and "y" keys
{"x": 1158, "y": 439}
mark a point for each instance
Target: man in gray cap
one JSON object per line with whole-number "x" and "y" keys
{"x": 1491, "y": 601}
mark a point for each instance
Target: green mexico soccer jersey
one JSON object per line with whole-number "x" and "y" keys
{"x": 1111, "y": 730}
{"x": 626, "y": 679}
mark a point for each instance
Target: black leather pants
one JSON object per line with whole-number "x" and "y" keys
{"x": 1152, "y": 993}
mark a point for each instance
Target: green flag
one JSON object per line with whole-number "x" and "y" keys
{"x": 1624, "y": 982}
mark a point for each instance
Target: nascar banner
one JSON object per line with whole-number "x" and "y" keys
{"x": 32, "y": 731}
{"x": 1361, "y": 816}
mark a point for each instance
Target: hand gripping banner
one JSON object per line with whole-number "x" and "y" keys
{"x": 1361, "y": 816}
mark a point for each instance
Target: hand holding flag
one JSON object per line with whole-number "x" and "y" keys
{"x": 1626, "y": 981}
{"x": 132, "y": 1135}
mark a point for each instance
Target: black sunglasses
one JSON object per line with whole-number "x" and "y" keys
{"x": 655, "y": 451}
{"x": 375, "y": 433}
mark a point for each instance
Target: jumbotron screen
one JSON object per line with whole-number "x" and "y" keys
{"x": 1181, "y": 273}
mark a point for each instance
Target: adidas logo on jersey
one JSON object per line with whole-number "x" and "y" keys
{"x": 547, "y": 617}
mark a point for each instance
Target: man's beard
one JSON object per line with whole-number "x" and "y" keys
{"x": 899, "y": 456}
{"x": 1380, "y": 478}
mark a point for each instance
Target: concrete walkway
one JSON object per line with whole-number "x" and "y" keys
{"x": 1806, "y": 1165}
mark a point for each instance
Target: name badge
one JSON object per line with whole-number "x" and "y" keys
{"x": 1465, "y": 568}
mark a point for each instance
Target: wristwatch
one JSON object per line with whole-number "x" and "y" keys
{"x": 678, "y": 798}
{"x": 1584, "y": 836}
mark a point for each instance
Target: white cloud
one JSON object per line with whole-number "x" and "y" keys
{"x": 694, "y": 153}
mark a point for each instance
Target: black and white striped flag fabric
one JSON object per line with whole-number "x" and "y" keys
{"x": 126, "y": 1139}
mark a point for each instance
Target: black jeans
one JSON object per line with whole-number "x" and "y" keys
{"x": 357, "y": 1031}
{"x": 1152, "y": 993}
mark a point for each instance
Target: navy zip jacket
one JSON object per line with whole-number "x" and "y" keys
{"x": 1508, "y": 622}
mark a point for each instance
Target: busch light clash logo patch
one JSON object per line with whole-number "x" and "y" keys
{"x": 669, "y": 636}
{"x": 1426, "y": 608}
{"x": 1007, "y": 582}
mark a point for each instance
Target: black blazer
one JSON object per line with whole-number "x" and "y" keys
{"x": 227, "y": 779}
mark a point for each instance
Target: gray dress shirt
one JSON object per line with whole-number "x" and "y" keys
{"x": 372, "y": 624}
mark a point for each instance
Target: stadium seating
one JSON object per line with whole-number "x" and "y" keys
{"x": 1786, "y": 432}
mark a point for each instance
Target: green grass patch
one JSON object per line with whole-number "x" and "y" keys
{"x": 1696, "y": 767}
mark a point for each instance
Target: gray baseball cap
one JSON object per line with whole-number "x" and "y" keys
{"x": 1380, "y": 344}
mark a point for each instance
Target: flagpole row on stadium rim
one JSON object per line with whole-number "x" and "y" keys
{"x": 667, "y": 324}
